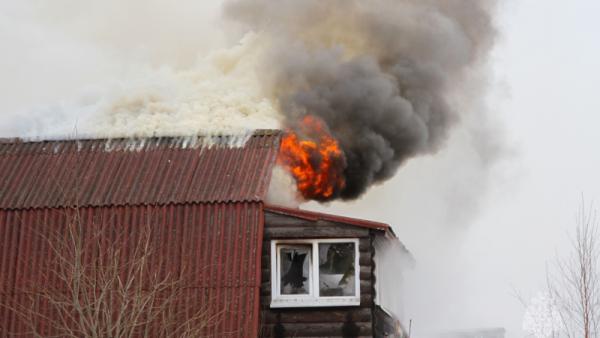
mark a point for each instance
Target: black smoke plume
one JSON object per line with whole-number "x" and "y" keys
{"x": 380, "y": 73}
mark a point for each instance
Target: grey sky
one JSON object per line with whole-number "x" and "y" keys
{"x": 545, "y": 97}
{"x": 476, "y": 234}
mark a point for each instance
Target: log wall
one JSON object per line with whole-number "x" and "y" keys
{"x": 351, "y": 321}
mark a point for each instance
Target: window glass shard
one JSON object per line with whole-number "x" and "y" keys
{"x": 336, "y": 269}
{"x": 295, "y": 270}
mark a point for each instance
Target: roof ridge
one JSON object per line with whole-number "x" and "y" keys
{"x": 250, "y": 133}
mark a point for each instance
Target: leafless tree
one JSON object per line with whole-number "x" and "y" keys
{"x": 104, "y": 281}
{"x": 574, "y": 282}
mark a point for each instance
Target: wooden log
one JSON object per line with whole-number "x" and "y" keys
{"x": 366, "y": 287}
{"x": 365, "y": 260}
{"x": 322, "y": 329}
{"x": 272, "y": 219}
{"x": 276, "y": 220}
{"x": 317, "y": 315}
{"x": 364, "y": 244}
{"x": 265, "y": 334}
{"x": 265, "y": 288}
{"x": 266, "y": 248}
{"x": 366, "y": 272}
{"x": 314, "y": 232}
{"x": 265, "y": 261}
{"x": 366, "y": 300}
{"x": 265, "y": 275}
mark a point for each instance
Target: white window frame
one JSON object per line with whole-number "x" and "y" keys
{"x": 312, "y": 299}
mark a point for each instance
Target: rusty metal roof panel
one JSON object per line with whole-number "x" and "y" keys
{"x": 214, "y": 248}
{"x": 151, "y": 171}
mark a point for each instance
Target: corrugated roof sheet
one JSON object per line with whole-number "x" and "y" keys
{"x": 219, "y": 243}
{"x": 202, "y": 196}
{"x": 152, "y": 171}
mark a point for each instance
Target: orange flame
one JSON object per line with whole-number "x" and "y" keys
{"x": 314, "y": 158}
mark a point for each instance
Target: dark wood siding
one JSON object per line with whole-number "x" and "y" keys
{"x": 352, "y": 321}
{"x": 385, "y": 325}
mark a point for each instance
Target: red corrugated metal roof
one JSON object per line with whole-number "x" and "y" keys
{"x": 153, "y": 171}
{"x": 204, "y": 202}
{"x": 316, "y": 216}
{"x": 215, "y": 248}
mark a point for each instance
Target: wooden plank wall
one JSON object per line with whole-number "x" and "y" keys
{"x": 354, "y": 321}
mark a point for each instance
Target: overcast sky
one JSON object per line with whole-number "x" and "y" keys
{"x": 476, "y": 234}
{"x": 545, "y": 95}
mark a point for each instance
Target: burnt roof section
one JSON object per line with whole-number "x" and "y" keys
{"x": 143, "y": 171}
{"x": 318, "y": 216}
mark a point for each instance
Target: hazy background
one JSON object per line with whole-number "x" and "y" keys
{"x": 478, "y": 227}
{"x": 546, "y": 67}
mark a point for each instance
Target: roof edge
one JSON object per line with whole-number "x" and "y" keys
{"x": 249, "y": 133}
{"x": 316, "y": 216}
{"x": 134, "y": 205}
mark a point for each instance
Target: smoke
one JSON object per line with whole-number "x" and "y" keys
{"x": 382, "y": 74}
{"x": 115, "y": 69}
{"x": 389, "y": 78}
{"x": 282, "y": 189}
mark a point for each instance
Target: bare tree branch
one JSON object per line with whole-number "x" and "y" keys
{"x": 107, "y": 281}
{"x": 575, "y": 281}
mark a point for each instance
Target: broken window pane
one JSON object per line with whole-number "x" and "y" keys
{"x": 336, "y": 269}
{"x": 295, "y": 269}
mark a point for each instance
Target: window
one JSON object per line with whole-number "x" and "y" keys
{"x": 321, "y": 272}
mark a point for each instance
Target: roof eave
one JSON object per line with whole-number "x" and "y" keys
{"x": 386, "y": 229}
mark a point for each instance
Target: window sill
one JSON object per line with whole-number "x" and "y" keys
{"x": 314, "y": 302}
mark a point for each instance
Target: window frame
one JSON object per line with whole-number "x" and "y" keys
{"x": 313, "y": 299}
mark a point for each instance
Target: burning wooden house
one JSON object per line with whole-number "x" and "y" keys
{"x": 250, "y": 268}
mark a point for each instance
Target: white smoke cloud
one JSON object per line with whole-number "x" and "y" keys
{"x": 115, "y": 69}
{"x": 282, "y": 189}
